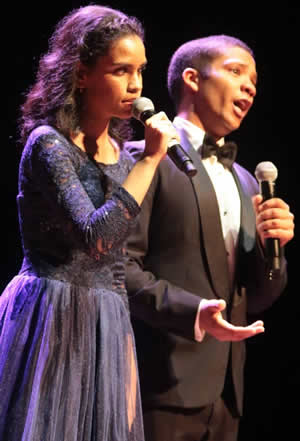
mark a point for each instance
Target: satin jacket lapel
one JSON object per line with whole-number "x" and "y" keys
{"x": 247, "y": 234}
{"x": 210, "y": 223}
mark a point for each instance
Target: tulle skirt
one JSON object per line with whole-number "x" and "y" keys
{"x": 67, "y": 364}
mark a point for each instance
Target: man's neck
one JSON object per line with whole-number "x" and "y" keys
{"x": 193, "y": 132}
{"x": 192, "y": 117}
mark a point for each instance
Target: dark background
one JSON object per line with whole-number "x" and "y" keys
{"x": 268, "y": 133}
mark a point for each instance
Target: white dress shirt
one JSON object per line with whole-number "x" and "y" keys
{"x": 227, "y": 196}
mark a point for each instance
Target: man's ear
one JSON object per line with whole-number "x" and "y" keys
{"x": 191, "y": 79}
{"x": 81, "y": 75}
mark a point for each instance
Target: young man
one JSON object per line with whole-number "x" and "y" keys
{"x": 197, "y": 261}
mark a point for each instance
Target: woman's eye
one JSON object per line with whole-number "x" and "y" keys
{"x": 120, "y": 71}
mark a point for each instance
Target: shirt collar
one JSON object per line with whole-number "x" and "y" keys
{"x": 194, "y": 134}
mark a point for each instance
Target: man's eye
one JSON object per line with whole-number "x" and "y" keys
{"x": 235, "y": 70}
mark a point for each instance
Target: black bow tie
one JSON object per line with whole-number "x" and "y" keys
{"x": 226, "y": 153}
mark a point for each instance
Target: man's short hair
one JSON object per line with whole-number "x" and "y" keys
{"x": 198, "y": 54}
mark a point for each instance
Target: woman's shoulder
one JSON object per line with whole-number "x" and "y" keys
{"x": 46, "y": 140}
{"x": 45, "y": 144}
{"x": 45, "y": 136}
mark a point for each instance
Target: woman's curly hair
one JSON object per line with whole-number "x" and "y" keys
{"x": 83, "y": 35}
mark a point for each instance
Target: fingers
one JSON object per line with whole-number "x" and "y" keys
{"x": 257, "y": 324}
{"x": 257, "y": 200}
{"x": 273, "y": 219}
{"x": 273, "y": 203}
{"x": 159, "y": 131}
{"x": 161, "y": 124}
{"x": 279, "y": 230}
{"x": 212, "y": 321}
{"x": 214, "y": 305}
{"x": 239, "y": 333}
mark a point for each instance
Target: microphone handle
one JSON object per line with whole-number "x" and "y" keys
{"x": 181, "y": 159}
{"x": 146, "y": 114}
{"x": 267, "y": 189}
{"x": 175, "y": 152}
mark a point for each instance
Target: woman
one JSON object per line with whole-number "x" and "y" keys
{"x": 67, "y": 362}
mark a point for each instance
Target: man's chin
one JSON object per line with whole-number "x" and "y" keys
{"x": 224, "y": 128}
{"x": 231, "y": 126}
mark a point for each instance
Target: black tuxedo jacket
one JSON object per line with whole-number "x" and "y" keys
{"x": 176, "y": 256}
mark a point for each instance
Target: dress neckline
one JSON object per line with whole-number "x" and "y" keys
{"x": 102, "y": 164}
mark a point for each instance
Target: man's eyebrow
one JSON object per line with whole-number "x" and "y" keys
{"x": 241, "y": 64}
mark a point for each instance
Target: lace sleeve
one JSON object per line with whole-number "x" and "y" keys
{"x": 52, "y": 167}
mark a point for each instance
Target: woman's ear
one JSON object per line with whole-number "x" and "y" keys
{"x": 191, "y": 78}
{"x": 81, "y": 75}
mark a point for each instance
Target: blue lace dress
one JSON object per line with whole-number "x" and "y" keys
{"x": 67, "y": 354}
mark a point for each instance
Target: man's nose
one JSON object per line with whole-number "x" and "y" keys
{"x": 249, "y": 87}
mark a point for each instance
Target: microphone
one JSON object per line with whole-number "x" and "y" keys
{"x": 142, "y": 109}
{"x": 266, "y": 174}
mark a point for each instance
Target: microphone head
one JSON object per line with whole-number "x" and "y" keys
{"x": 266, "y": 171}
{"x": 140, "y": 105}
